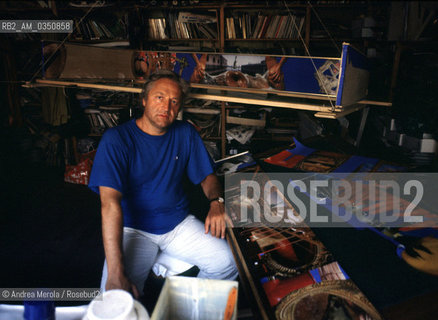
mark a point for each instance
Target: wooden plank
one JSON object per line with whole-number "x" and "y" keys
{"x": 327, "y": 97}
{"x": 201, "y": 110}
{"x": 88, "y": 85}
{"x": 246, "y": 121}
{"x": 222, "y": 28}
{"x": 244, "y": 273}
{"x": 216, "y": 97}
{"x": 53, "y": 7}
{"x": 261, "y": 91}
{"x": 73, "y": 61}
{"x": 376, "y": 103}
{"x": 260, "y": 102}
{"x": 223, "y": 130}
{"x": 344, "y": 112}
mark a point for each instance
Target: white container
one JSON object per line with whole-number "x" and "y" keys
{"x": 186, "y": 298}
{"x": 115, "y": 305}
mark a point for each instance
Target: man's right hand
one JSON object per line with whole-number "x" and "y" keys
{"x": 112, "y": 233}
{"x": 121, "y": 282}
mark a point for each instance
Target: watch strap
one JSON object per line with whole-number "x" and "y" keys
{"x": 220, "y": 199}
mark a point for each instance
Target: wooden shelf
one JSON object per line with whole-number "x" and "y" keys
{"x": 265, "y": 40}
{"x": 261, "y": 92}
{"x": 56, "y": 83}
{"x": 199, "y": 6}
{"x": 199, "y": 110}
{"x": 179, "y": 40}
{"x": 249, "y": 98}
{"x": 294, "y": 4}
{"x": 324, "y": 109}
{"x": 99, "y": 41}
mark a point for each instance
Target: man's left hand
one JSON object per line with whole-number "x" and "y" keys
{"x": 216, "y": 220}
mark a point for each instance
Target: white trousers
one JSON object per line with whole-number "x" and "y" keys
{"x": 187, "y": 242}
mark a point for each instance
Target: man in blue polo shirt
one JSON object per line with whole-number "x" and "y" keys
{"x": 138, "y": 172}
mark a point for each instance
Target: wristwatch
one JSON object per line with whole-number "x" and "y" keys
{"x": 219, "y": 199}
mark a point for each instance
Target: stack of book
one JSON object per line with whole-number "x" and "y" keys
{"x": 184, "y": 25}
{"x": 264, "y": 26}
{"x": 103, "y": 118}
{"x": 95, "y": 30}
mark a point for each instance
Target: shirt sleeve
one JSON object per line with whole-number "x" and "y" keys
{"x": 200, "y": 164}
{"x": 110, "y": 166}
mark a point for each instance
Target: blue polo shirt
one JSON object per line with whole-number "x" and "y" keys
{"x": 148, "y": 171}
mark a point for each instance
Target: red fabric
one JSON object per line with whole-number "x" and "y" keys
{"x": 285, "y": 159}
{"x": 277, "y": 289}
{"x": 79, "y": 173}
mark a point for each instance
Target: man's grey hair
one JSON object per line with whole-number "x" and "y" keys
{"x": 166, "y": 74}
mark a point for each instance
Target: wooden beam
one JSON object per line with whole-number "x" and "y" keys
{"x": 266, "y": 91}
{"x": 223, "y": 131}
{"x": 201, "y": 110}
{"x": 375, "y": 103}
{"x": 88, "y": 85}
{"x": 247, "y": 280}
{"x": 343, "y": 113}
{"x": 261, "y": 102}
{"x": 221, "y": 28}
{"x": 323, "y": 111}
{"x": 52, "y": 4}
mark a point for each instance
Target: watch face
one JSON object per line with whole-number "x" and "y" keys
{"x": 218, "y": 199}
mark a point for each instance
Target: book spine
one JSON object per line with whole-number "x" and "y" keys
{"x": 265, "y": 27}
{"x": 106, "y": 120}
{"x": 277, "y": 32}
{"x": 95, "y": 30}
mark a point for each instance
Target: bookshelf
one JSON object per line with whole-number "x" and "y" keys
{"x": 105, "y": 117}
{"x": 264, "y": 27}
{"x": 180, "y": 28}
{"x": 231, "y": 23}
{"x": 96, "y": 29}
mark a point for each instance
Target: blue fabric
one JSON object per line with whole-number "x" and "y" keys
{"x": 148, "y": 171}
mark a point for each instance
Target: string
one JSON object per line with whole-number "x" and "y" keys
{"x": 306, "y": 48}
{"x": 325, "y": 28}
{"x": 268, "y": 233}
{"x": 63, "y": 41}
{"x": 289, "y": 243}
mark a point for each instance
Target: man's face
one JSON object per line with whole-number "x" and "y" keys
{"x": 162, "y": 105}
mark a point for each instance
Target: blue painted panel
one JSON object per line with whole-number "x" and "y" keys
{"x": 294, "y": 74}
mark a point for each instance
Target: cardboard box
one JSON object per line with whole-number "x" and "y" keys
{"x": 186, "y": 298}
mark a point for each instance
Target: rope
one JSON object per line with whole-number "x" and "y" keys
{"x": 325, "y": 28}
{"x": 308, "y": 53}
{"x": 63, "y": 41}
